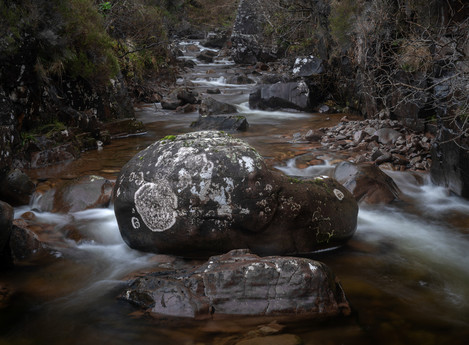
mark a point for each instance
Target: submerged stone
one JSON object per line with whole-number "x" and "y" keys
{"x": 240, "y": 283}
{"x": 205, "y": 193}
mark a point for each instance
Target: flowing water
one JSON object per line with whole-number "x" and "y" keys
{"x": 405, "y": 272}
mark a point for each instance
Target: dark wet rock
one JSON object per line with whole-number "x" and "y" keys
{"x": 192, "y": 48}
{"x": 170, "y": 105}
{"x": 210, "y": 106}
{"x": 26, "y": 247}
{"x": 367, "y": 183}
{"x": 123, "y": 127}
{"x": 187, "y": 97}
{"x": 16, "y": 188}
{"x": 83, "y": 193}
{"x": 213, "y": 91}
{"x": 206, "y": 56}
{"x": 293, "y": 95}
{"x": 205, "y": 193}
{"x": 215, "y": 40}
{"x": 450, "y": 163}
{"x": 188, "y": 108}
{"x": 308, "y": 66}
{"x": 221, "y": 123}
{"x": 273, "y": 78}
{"x": 86, "y": 141}
{"x": 60, "y": 154}
{"x": 314, "y": 135}
{"x": 325, "y": 109}
{"x": 239, "y": 79}
{"x": 384, "y": 158}
{"x": 189, "y": 64}
{"x": 6, "y": 219}
{"x": 240, "y": 283}
{"x": 387, "y": 135}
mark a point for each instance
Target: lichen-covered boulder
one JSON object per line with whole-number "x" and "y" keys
{"x": 240, "y": 283}
{"x": 206, "y": 193}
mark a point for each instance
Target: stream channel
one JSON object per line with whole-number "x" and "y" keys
{"x": 405, "y": 272}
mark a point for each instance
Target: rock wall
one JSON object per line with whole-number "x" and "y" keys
{"x": 37, "y": 84}
{"x": 405, "y": 61}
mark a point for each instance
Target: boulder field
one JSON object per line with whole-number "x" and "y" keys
{"x": 206, "y": 193}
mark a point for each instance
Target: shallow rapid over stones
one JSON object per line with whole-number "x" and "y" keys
{"x": 206, "y": 193}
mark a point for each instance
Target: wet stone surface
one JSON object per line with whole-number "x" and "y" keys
{"x": 240, "y": 283}
{"x": 205, "y": 193}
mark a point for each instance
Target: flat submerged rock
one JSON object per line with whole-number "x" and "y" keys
{"x": 241, "y": 283}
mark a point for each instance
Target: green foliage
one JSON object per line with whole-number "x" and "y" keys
{"x": 90, "y": 48}
{"x": 168, "y": 138}
{"x": 10, "y": 27}
{"x": 140, "y": 38}
{"x": 105, "y": 6}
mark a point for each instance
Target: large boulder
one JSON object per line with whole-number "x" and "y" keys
{"x": 292, "y": 95}
{"x": 221, "y": 123}
{"x": 240, "y": 283}
{"x": 308, "y": 66}
{"x": 367, "y": 182}
{"x": 206, "y": 193}
{"x": 16, "y": 188}
{"x": 210, "y": 106}
{"x": 76, "y": 195}
{"x": 26, "y": 247}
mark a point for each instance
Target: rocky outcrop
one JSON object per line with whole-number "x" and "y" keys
{"x": 240, "y": 283}
{"x": 292, "y": 95}
{"x": 246, "y": 39}
{"x": 210, "y": 106}
{"x": 367, "y": 183}
{"x": 206, "y": 193}
{"x": 76, "y": 195}
{"x": 308, "y": 66}
{"x": 25, "y": 246}
{"x": 450, "y": 167}
{"x": 221, "y": 123}
{"x": 16, "y": 188}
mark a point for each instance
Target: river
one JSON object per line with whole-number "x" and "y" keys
{"x": 405, "y": 272}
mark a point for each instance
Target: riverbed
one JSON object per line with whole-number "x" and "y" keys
{"x": 405, "y": 272}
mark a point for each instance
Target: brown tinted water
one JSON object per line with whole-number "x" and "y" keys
{"x": 405, "y": 272}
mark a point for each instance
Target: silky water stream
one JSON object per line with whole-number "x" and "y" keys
{"x": 405, "y": 272}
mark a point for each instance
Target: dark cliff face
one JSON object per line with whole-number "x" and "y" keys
{"x": 404, "y": 61}
{"x": 51, "y": 71}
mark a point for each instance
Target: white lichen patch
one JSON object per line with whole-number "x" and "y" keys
{"x": 156, "y": 204}
{"x": 247, "y": 163}
{"x": 312, "y": 267}
{"x": 339, "y": 195}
